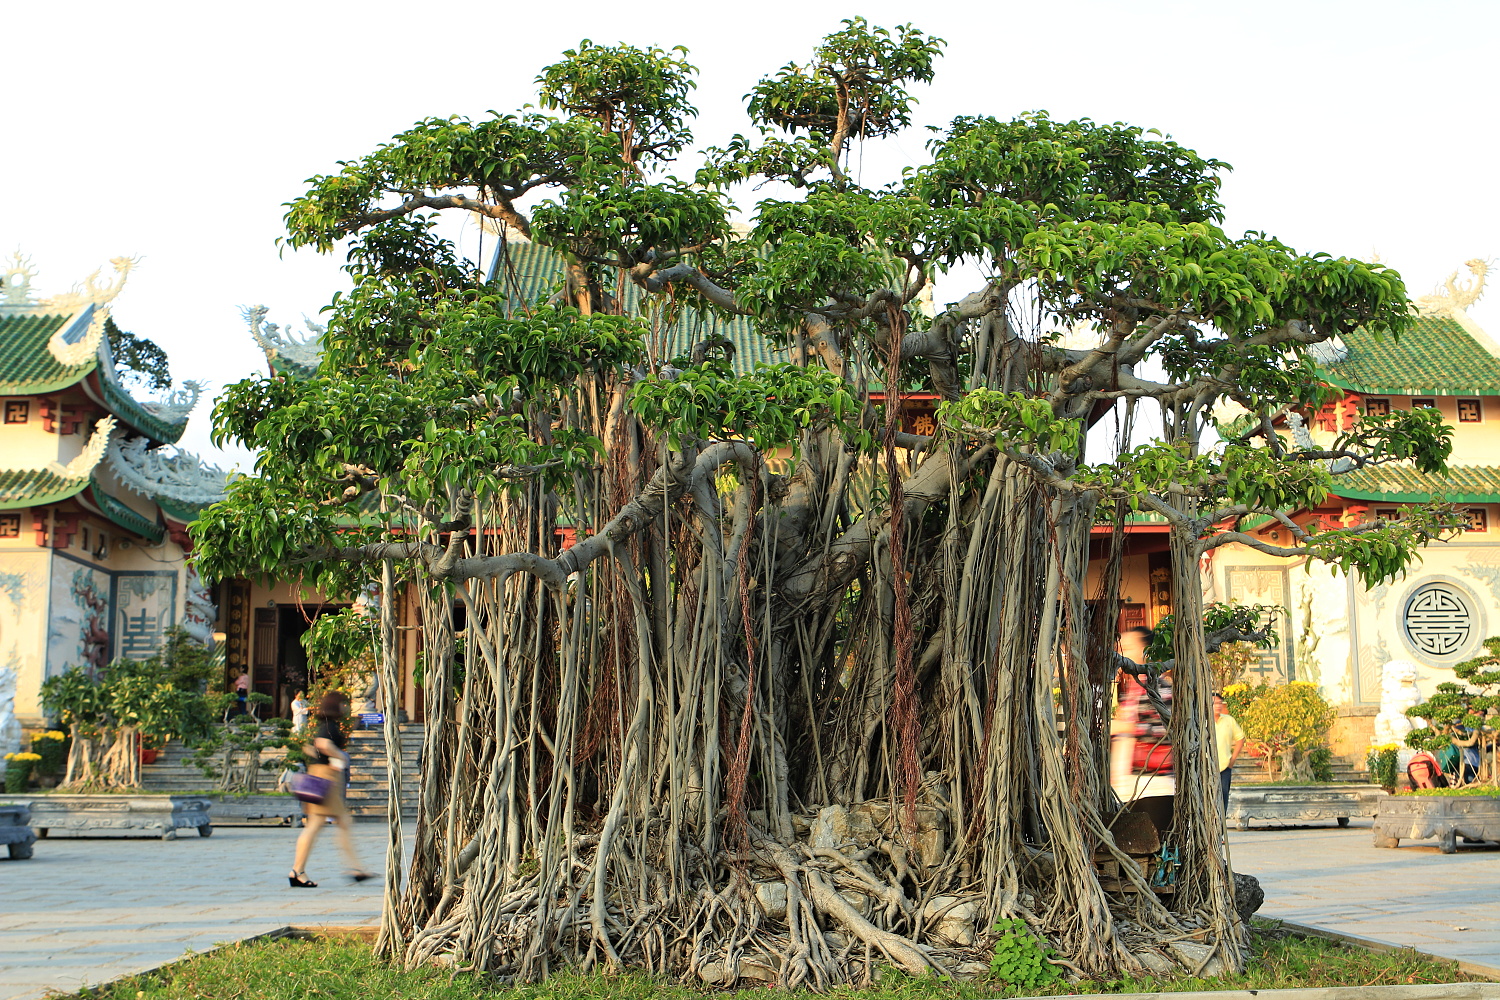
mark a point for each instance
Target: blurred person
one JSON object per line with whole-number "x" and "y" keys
{"x": 1229, "y": 740}
{"x": 327, "y": 760}
{"x": 299, "y": 712}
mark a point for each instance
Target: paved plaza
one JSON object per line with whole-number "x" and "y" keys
{"x": 86, "y": 911}
{"x": 1414, "y": 895}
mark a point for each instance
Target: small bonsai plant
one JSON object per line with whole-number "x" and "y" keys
{"x": 1460, "y": 720}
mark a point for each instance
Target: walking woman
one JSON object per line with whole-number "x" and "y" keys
{"x": 328, "y": 761}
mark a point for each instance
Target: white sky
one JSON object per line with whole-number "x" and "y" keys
{"x": 175, "y": 131}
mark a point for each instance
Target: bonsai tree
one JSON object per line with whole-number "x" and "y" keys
{"x": 233, "y": 751}
{"x": 1290, "y": 722}
{"x": 128, "y": 704}
{"x": 1462, "y": 713}
{"x": 787, "y": 601}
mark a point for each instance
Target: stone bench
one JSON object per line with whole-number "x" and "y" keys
{"x": 1446, "y": 817}
{"x": 15, "y": 831}
{"x": 160, "y": 815}
{"x": 1301, "y": 803}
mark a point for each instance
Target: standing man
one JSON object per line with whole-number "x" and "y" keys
{"x": 1229, "y": 738}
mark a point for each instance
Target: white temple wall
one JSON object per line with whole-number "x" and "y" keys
{"x": 23, "y": 623}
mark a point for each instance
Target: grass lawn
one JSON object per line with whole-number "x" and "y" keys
{"x": 342, "y": 968}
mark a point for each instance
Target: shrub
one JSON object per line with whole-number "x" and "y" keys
{"x": 1290, "y": 721}
{"x": 1382, "y": 763}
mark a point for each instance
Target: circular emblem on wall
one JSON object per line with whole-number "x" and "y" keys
{"x": 1439, "y": 620}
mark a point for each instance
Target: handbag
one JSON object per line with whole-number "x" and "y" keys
{"x": 310, "y": 788}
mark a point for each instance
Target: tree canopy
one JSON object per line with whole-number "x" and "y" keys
{"x": 805, "y": 672}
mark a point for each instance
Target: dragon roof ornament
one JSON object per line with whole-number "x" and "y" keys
{"x": 85, "y": 348}
{"x": 91, "y": 292}
{"x": 306, "y": 352}
{"x": 1453, "y": 298}
{"x": 180, "y": 475}
{"x": 176, "y": 406}
{"x": 82, "y": 466}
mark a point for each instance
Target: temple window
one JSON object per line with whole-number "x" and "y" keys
{"x": 1470, "y": 411}
{"x": 1423, "y": 403}
{"x": 1388, "y": 513}
{"x": 1479, "y": 519}
{"x": 17, "y": 411}
{"x": 10, "y": 524}
{"x": 1377, "y": 407}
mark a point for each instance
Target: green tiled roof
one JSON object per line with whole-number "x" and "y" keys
{"x": 125, "y": 516}
{"x": 26, "y": 366}
{"x": 531, "y": 271}
{"x": 31, "y": 487}
{"x": 177, "y": 510}
{"x": 1436, "y": 356}
{"x": 1404, "y": 484}
{"x": 125, "y": 406}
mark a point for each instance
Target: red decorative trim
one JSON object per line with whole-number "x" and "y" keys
{"x": 178, "y": 533}
{"x": 39, "y": 525}
{"x": 65, "y": 527}
{"x": 48, "y": 411}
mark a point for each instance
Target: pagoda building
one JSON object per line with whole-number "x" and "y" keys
{"x": 93, "y": 504}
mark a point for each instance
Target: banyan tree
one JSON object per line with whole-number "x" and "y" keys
{"x": 808, "y": 683}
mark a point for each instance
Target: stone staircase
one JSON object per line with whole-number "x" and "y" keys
{"x": 368, "y": 792}
{"x": 1248, "y": 770}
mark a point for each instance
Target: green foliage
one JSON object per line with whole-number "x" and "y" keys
{"x": 770, "y": 406}
{"x": 852, "y": 87}
{"x": 161, "y": 697}
{"x": 1217, "y": 615}
{"x": 1384, "y": 766}
{"x": 340, "y": 638}
{"x": 1012, "y": 419}
{"x": 137, "y": 359}
{"x": 1020, "y": 960}
{"x": 1296, "y": 714}
{"x": 643, "y": 92}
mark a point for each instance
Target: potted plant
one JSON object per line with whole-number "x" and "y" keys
{"x": 18, "y": 767}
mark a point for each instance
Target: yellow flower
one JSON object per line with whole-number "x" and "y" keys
{"x": 53, "y": 734}
{"x": 1236, "y": 688}
{"x": 23, "y": 757}
{"x": 1386, "y": 746}
{"x": 1304, "y": 683}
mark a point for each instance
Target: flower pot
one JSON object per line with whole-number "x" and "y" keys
{"x": 148, "y": 755}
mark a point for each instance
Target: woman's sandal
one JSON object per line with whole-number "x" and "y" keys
{"x": 360, "y": 876}
{"x": 299, "y": 882}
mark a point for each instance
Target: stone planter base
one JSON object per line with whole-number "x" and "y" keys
{"x": 1446, "y": 817}
{"x": 256, "y": 810}
{"x": 1301, "y": 803}
{"x": 15, "y": 831}
{"x": 159, "y": 815}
